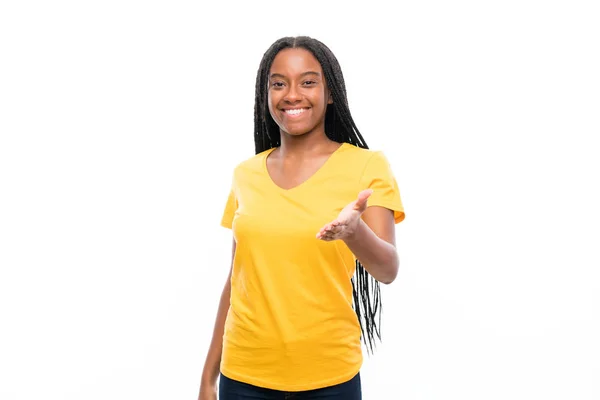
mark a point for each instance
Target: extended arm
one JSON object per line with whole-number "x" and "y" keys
{"x": 374, "y": 244}
{"x": 370, "y": 234}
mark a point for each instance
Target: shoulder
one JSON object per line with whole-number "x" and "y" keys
{"x": 252, "y": 164}
{"x": 360, "y": 158}
{"x": 369, "y": 165}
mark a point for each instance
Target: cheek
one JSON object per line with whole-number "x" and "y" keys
{"x": 321, "y": 101}
{"x": 270, "y": 102}
{"x": 323, "y": 96}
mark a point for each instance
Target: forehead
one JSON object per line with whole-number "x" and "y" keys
{"x": 294, "y": 61}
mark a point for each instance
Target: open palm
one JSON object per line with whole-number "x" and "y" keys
{"x": 346, "y": 223}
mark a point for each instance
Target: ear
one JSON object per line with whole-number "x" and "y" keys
{"x": 329, "y": 99}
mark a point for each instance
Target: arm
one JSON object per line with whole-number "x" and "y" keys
{"x": 374, "y": 244}
{"x": 210, "y": 373}
{"x": 370, "y": 234}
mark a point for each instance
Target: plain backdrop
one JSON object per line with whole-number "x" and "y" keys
{"x": 121, "y": 123}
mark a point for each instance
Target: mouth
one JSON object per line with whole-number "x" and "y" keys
{"x": 295, "y": 112}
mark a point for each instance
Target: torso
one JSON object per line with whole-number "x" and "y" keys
{"x": 291, "y": 324}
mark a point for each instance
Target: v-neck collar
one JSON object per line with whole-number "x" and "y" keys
{"x": 307, "y": 180}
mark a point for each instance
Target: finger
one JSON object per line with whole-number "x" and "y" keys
{"x": 326, "y": 228}
{"x": 338, "y": 224}
{"x": 361, "y": 202}
{"x": 364, "y": 195}
{"x": 325, "y": 231}
{"x": 328, "y": 238}
{"x": 325, "y": 237}
{"x": 334, "y": 229}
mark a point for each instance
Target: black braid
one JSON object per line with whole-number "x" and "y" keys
{"x": 339, "y": 127}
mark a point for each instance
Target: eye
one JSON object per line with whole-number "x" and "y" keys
{"x": 277, "y": 85}
{"x": 309, "y": 83}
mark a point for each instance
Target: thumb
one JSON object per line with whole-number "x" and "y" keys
{"x": 362, "y": 198}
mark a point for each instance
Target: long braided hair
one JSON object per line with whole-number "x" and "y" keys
{"x": 339, "y": 127}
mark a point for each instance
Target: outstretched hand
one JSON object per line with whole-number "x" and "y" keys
{"x": 346, "y": 224}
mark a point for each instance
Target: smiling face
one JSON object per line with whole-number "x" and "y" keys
{"x": 298, "y": 94}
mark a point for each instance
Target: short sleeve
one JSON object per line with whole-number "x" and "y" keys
{"x": 379, "y": 177}
{"x": 230, "y": 208}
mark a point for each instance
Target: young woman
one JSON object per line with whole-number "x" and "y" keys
{"x": 313, "y": 217}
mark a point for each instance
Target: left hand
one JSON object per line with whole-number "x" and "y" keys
{"x": 346, "y": 224}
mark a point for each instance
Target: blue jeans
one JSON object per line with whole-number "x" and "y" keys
{"x": 230, "y": 389}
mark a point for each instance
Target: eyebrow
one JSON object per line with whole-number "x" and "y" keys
{"x": 276, "y": 75}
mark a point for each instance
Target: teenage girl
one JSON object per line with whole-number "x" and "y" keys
{"x": 313, "y": 216}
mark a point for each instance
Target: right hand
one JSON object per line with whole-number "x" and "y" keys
{"x": 208, "y": 393}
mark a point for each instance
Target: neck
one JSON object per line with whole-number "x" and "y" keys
{"x": 307, "y": 144}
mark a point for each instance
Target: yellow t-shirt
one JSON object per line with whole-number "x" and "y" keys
{"x": 291, "y": 325}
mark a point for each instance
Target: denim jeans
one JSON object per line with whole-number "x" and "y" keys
{"x": 230, "y": 389}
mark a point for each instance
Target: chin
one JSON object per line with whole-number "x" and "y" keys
{"x": 296, "y": 131}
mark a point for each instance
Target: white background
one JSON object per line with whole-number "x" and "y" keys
{"x": 121, "y": 122}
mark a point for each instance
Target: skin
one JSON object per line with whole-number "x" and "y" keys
{"x": 296, "y": 81}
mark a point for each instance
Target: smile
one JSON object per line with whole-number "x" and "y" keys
{"x": 295, "y": 111}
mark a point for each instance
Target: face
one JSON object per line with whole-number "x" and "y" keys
{"x": 298, "y": 94}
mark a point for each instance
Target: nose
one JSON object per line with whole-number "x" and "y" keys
{"x": 292, "y": 95}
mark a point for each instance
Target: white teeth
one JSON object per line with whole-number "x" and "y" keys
{"x": 295, "y": 111}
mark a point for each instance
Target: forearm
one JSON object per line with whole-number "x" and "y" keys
{"x": 379, "y": 257}
{"x": 211, "y": 369}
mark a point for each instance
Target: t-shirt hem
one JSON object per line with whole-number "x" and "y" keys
{"x": 226, "y": 224}
{"x": 291, "y": 388}
{"x": 398, "y": 211}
